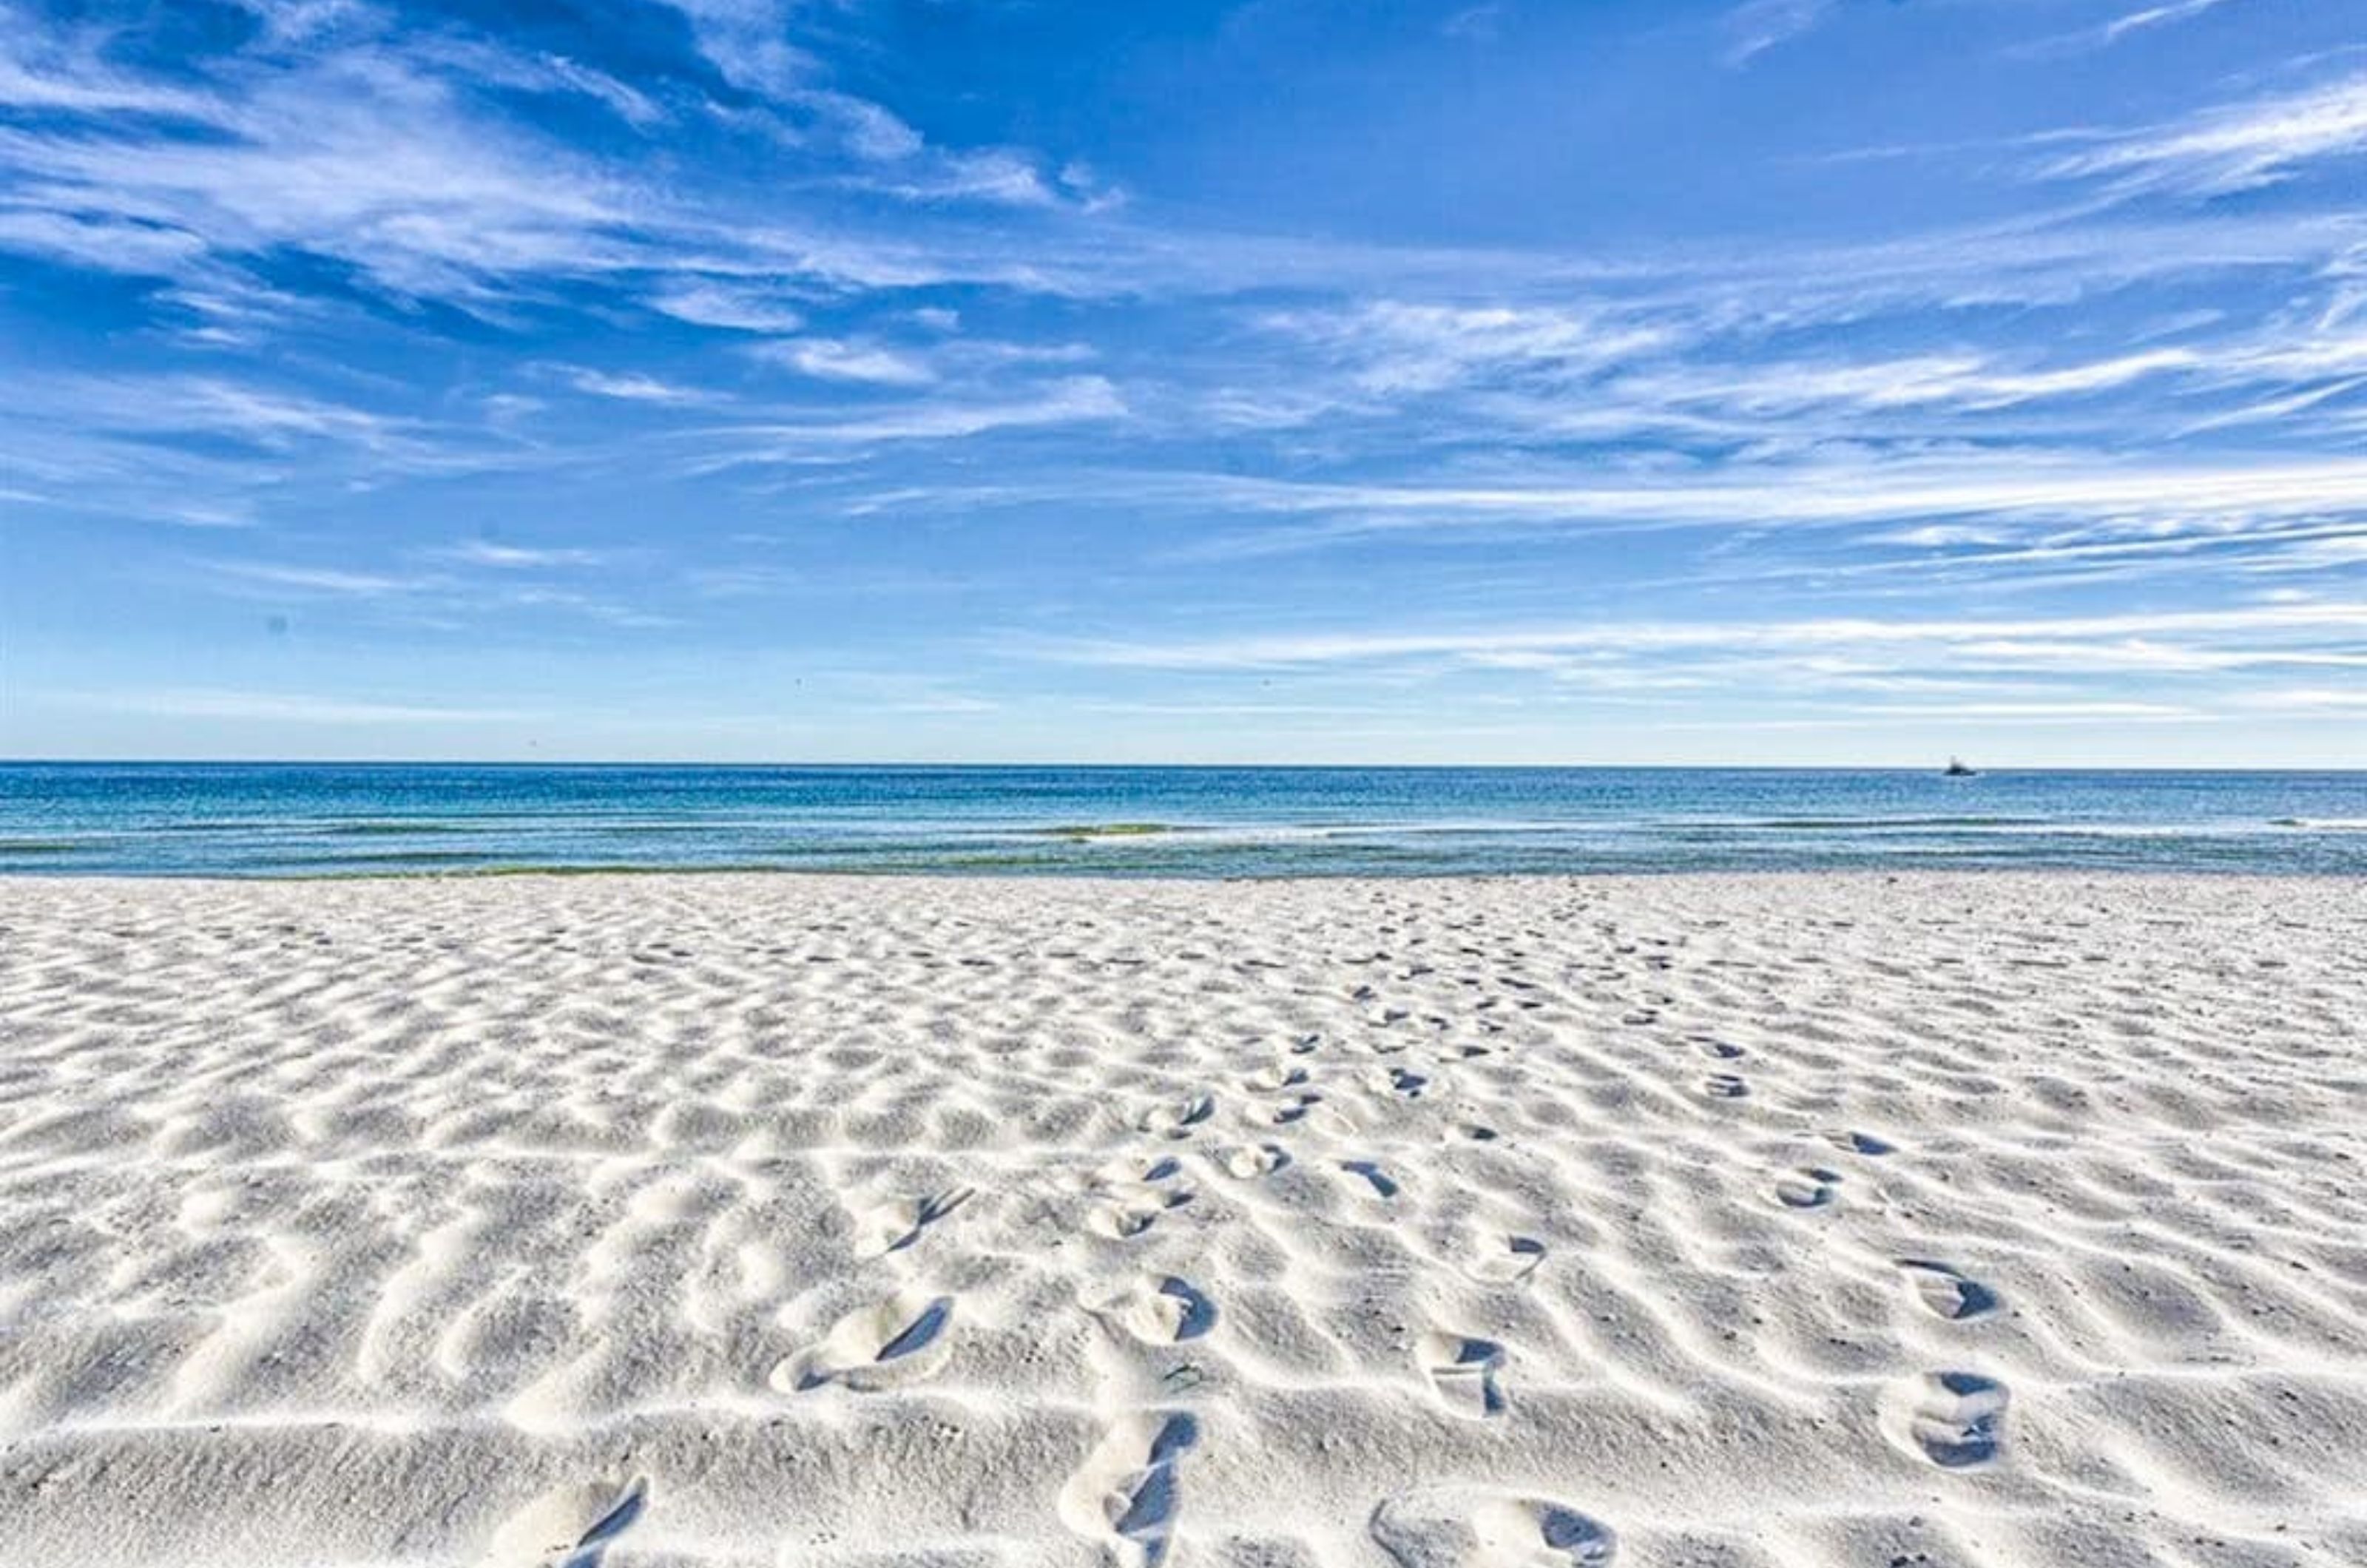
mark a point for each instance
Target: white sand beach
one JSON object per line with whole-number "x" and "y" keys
{"x": 1746, "y": 1222}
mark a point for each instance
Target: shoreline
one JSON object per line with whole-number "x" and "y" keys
{"x": 767, "y": 873}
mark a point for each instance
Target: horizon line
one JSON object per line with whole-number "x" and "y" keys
{"x": 1989, "y": 770}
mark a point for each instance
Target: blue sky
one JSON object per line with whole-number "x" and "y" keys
{"x": 1600, "y": 380}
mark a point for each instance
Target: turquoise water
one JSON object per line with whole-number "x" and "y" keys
{"x": 187, "y": 819}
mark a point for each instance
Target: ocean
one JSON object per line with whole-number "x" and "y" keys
{"x": 269, "y": 819}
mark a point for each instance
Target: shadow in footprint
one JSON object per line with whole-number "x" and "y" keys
{"x": 1256, "y": 1160}
{"x": 875, "y": 1347}
{"x": 1177, "y": 1118}
{"x": 897, "y": 1224}
{"x": 1955, "y": 1420}
{"x": 1581, "y": 1539}
{"x": 1503, "y": 1260}
{"x": 920, "y": 1333}
{"x": 1465, "y": 1371}
{"x": 1128, "y": 1492}
{"x": 1809, "y": 1189}
{"x": 1167, "y": 1312}
{"x": 1129, "y": 1211}
{"x": 1199, "y": 1313}
{"x": 1380, "y": 1179}
{"x": 549, "y": 1532}
{"x": 1452, "y": 1529}
{"x": 594, "y": 1542}
{"x": 1946, "y": 1293}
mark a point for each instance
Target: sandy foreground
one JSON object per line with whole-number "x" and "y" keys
{"x": 638, "y": 1221}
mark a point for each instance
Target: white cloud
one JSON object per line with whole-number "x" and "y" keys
{"x": 2129, "y": 22}
{"x": 2307, "y": 699}
{"x": 1476, "y": 24}
{"x": 208, "y": 405}
{"x": 1990, "y": 638}
{"x": 710, "y": 304}
{"x": 101, "y": 243}
{"x": 41, "y": 70}
{"x": 287, "y": 707}
{"x": 1758, "y": 25}
{"x": 833, "y": 360}
{"x": 334, "y": 581}
{"x": 2235, "y": 147}
{"x": 633, "y": 387}
{"x": 1075, "y": 401}
{"x": 360, "y": 159}
{"x": 2024, "y": 484}
{"x": 494, "y": 553}
{"x": 994, "y": 174}
{"x": 1399, "y": 346}
{"x": 748, "y": 41}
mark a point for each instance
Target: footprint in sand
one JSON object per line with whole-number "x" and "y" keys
{"x": 1955, "y": 1420}
{"x": 1381, "y": 1182}
{"x": 1809, "y": 1187}
{"x": 1131, "y": 1208}
{"x": 1943, "y": 1293}
{"x": 1253, "y": 1160}
{"x": 1294, "y": 1109}
{"x": 1265, "y": 1080}
{"x": 1129, "y": 1169}
{"x": 1720, "y": 1050}
{"x": 1157, "y": 1310}
{"x": 570, "y": 1527}
{"x": 1466, "y": 1371}
{"x": 899, "y": 1340}
{"x": 1725, "y": 1086}
{"x": 1440, "y": 1530}
{"x": 1859, "y": 1144}
{"x": 1176, "y": 1117}
{"x": 896, "y": 1223}
{"x": 1127, "y": 1495}
{"x": 1494, "y": 1258}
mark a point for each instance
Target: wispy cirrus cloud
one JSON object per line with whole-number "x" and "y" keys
{"x": 1849, "y": 491}
{"x": 289, "y": 707}
{"x": 1991, "y": 639}
{"x": 633, "y": 387}
{"x": 509, "y": 556}
{"x": 2152, "y": 17}
{"x": 220, "y": 407}
{"x": 837, "y": 360}
{"x": 2235, "y": 147}
{"x": 1076, "y": 399}
{"x": 1757, "y": 26}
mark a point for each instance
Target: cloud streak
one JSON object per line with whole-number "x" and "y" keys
{"x": 2236, "y": 147}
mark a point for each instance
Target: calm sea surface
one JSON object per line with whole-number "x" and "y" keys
{"x": 179, "y": 820}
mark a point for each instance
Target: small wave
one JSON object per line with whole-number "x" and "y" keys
{"x": 404, "y": 857}
{"x": 1859, "y": 824}
{"x": 2322, "y": 824}
{"x": 1080, "y": 832}
{"x": 44, "y": 846}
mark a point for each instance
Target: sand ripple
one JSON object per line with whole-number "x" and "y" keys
{"x": 1757, "y": 1223}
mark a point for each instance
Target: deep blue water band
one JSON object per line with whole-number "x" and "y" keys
{"x": 270, "y": 819}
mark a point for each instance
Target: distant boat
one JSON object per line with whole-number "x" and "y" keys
{"x": 1956, "y": 770}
